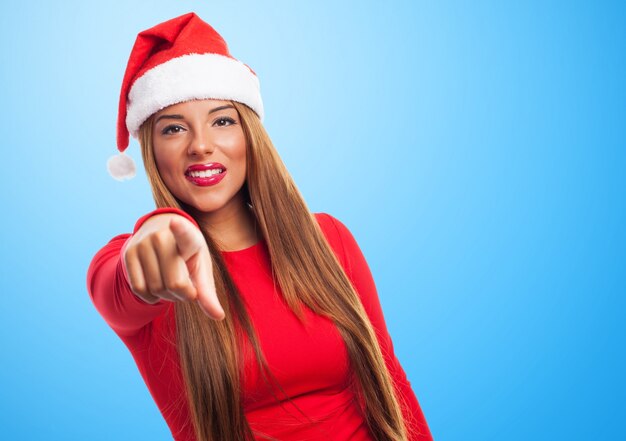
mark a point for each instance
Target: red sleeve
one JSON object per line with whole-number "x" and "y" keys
{"x": 359, "y": 273}
{"x": 110, "y": 291}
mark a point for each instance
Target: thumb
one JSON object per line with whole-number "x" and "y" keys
{"x": 188, "y": 237}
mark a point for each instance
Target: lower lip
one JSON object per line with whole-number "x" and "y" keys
{"x": 205, "y": 182}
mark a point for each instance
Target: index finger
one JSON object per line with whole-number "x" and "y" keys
{"x": 202, "y": 278}
{"x": 201, "y": 274}
{"x": 194, "y": 250}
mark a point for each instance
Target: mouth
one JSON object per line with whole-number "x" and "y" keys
{"x": 205, "y": 174}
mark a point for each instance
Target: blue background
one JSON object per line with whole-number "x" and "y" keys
{"x": 475, "y": 149}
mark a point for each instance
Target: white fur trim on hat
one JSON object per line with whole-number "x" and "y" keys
{"x": 189, "y": 77}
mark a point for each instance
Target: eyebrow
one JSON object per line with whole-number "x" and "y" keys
{"x": 217, "y": 109}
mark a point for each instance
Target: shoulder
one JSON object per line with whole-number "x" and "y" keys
{"x": 114, "y": 245}
{"x": 108, "y": 252}
{"x": 325, "y": 221}
{"x": 338, "y": 236}
{"x": 350, "y": 257}
{"x": 332, "y": 227}
{"x": 117, "y": 241}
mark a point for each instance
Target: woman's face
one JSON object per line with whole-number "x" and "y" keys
{"x": 200, "y": 151}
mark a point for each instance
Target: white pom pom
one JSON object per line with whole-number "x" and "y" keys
{"x": 121, "y": 167}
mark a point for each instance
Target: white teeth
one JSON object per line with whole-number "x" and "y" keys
{"x": 205, "y": 173}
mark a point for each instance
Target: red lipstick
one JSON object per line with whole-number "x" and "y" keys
{"x": 205, "y": 175}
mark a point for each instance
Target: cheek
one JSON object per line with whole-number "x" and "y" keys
{"x": 241, "y": 160}
{"x": 236, "y": 148}
{"x": 165, "y": 163}
{"x": 233, "y": 141}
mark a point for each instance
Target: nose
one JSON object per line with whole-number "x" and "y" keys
{"x": 200, "y": 145}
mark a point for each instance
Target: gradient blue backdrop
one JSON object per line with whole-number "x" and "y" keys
{"x": 475, "y": 149}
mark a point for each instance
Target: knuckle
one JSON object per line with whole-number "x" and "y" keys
{"x": 143, "y": 247}
{"x": 193, "y": 295}
{"x": 159, "y": 292}
{"x": 160, "y": 238}
{"x": 135, "y": 285}
{"x": 155, "y": 287}
{"x": 177, "y": 285}
{"x": 138, "y": 289}
{"x": 130, "y": 253}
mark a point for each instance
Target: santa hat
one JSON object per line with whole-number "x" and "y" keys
{"x": 179, "y": 60}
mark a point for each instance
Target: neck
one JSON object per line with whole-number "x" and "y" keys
{"x": 233, "y": 227}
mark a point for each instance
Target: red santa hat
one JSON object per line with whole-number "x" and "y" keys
{"x": 179, "y": 60}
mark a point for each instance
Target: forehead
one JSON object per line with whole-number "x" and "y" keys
{"x": 193, "y": 106}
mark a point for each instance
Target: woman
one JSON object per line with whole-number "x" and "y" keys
{"x": 248, "y": 317}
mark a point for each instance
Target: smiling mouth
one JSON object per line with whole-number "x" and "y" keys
{"x": 204, "y": 173}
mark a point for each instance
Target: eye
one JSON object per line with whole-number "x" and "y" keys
{"x": 223, "y": 121}
{"x": 172, "y": 129}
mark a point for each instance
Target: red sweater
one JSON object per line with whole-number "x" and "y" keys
{"x": 311, "y": 363}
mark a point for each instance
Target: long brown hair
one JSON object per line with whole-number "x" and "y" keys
{"x": 307, "y": 272}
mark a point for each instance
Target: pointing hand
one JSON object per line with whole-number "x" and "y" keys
{"x": 168, "y": 259}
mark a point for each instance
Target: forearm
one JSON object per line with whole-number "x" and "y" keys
{"x": 107, "y": 280}
{"x": 110, "y": 292}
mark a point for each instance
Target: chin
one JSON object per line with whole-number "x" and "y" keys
{"x": 215, "y": 203}
{"x": 206, "y": 207}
